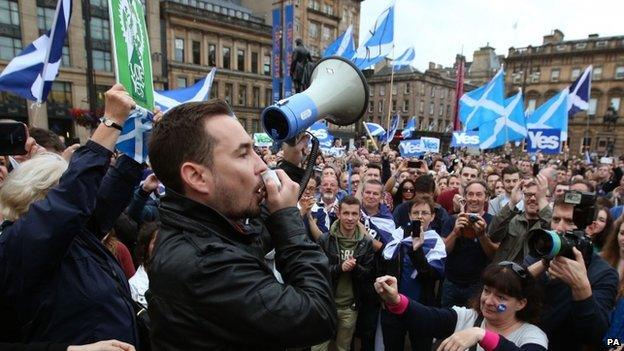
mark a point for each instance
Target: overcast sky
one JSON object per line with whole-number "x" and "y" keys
{"x": 438, "y": 29}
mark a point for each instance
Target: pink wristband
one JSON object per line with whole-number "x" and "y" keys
{"x": 400, "y": 307}
{"x": 490, "y": 341}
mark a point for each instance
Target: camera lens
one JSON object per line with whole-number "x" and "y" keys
{"x": 544, "y": 243}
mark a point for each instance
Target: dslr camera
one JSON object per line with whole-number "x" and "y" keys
{"x": 549, "y": 243}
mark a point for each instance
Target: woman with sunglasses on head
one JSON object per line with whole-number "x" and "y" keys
{"x": 500, "y": 318}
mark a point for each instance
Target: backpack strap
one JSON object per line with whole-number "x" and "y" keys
{"x": 477, "y": 324}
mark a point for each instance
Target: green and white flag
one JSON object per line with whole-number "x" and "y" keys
{"x": 262, "y": 139}
{"x": 133, "y": 64}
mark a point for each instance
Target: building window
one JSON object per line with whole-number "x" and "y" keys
{"x": 433, "y": 91}
{"x": 448, "y": 111}
{"x": 214, "y": 90}
{"x": 535, "y": 76}
{"x": 371, "y": 90}
{"x": 371, "y": 106}
{"x": 431, "y": 108}
{"x": 394, "y": 105}
{"x": 179, "y": 50}
{"x": 313, "y": 30}
{"x": 65, "y": 61}
{"x": 100, "y": 28}
{"x": 422, "y": 88}
{"x": 268, "y": 97}
{"x": 242, "y": 95}
{"x": 240, "y": 59}
{"x": 60, "y": 93}
{"x": 408, "y": 88}
{"x": 254, "y": 62}
{"x": 394, "y": 89}
{"x": 440, "y": 110}
{"x": 326, "y": 33}
{"x": 181, "y": 82}
{"x": 531, "y": 105}
{"x": 576, "y": 72}
{"x": 405, "y": 105}
{"x": 255, "y": 125}
{"x": 266, "y": 65}
{"x": 256, "y": 96}
{"x": 554, "y": 74}
{"x": 381, "y": 106}
{"x": 597, "y": 73}
{"x": 619, "y": 72}
{"x": 226, "y": 57}
{"x": 9, "y": 12}
{"x": 212, "y": 55}
{"x": 382, "y": 90}
{"x": 615, "y": 103}
{"x": 9, "y": 48}
{"x": 422, "y": 106}
{"x": 45, "y": 17}
{"x": 101, "y": 60}
{"x": 100, "y": 3}
{"x": 593, "y": 103}
{"x": 229, "y": 87}
{"x": 328, "y": 9}
{"x": 196, "y": 50}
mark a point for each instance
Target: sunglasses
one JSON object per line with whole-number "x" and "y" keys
{"x": 518, "y": 269}
{"x": 408, "y": 190}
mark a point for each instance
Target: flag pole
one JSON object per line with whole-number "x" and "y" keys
{"x": 370, "y": 136}
{"x": 390, "y": 104}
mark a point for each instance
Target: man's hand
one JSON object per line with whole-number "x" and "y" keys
{"x": 150, "y": 184}
{"x": 516, "y": 194}
{"x": 480, "y": 226}
{"x": 286, "y": 196}
{"x": 108, "y": 345}
{"x": 295, "y": 154}
{"x": 573, "y": 273}
{"x": 348, "y": 264}
{"x": 118, "y": 104}
{"x": 305, "y": 204}
{"x": 461, "y": 222}
{"x": 417, "y": 242}
{"x": 32, "y": 149}
{"x": 459, "y": 203}
{"x": 388, "y": 289}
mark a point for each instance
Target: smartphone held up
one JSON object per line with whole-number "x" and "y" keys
{"x": 13, "y": 136}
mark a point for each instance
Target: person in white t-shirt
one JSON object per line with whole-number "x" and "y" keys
{"x": 139, "y": 283}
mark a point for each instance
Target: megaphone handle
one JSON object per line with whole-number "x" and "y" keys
{"x": 314, "y": 151}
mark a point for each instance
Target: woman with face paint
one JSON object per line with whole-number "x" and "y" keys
{"x": 500, "y": 317}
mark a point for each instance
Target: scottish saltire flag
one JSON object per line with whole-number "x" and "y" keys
{"x": 343, "y": 46}
{"x": 135, "y": 134}
{"x": 433, "y": 248}
{"x": 483, "y": 104}
{"x": 410, "y": 128}
{"x": 394, "y": 125}
{"x": 578, "y": 98}
{"x": 405, "y": 59}
{"x": 380, "y": 225}
{"x": 379, "y": 41}
{"x": 200, "y": 91}
{"x": 31, "y": 73}
{"x": 374, "y": 129}
{"x": 553, "y": 114}
{"x": 319, "y": 130}
{"x": 511, "y": 126}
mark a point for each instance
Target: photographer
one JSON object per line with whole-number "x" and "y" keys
{"x": 579, "y": 291}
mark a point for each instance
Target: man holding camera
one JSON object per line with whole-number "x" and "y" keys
{"x": 511, "y": 226}
{"x": 468, "y": 249}
{"x": 579, "y": 289}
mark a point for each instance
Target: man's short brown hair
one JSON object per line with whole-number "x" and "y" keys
{"x": 181, "y": 137}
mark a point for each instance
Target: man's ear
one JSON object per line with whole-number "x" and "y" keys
{"x": 196, "y": 178}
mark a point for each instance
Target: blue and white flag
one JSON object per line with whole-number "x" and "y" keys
{"x": 483, "y": 104}
{"x": 553, "y": 114}
{"x": 394, "y": 125}
{"x": 135, "y": 134}
{"x": 200, "y": 91}
{"x": 374, "y": 129}
{"x": 319, "y": 130}
{"x": 379, "y": 41}
{"x": 380, "y": 225}
{"x": 405, "y": 60}
{"x": 31, "y": 73}
{"x": 433, "y": 248}
{"x": 465, "y": 139}
{"x": 343, "y": 46}
{"x": 578, "y": 98}
{"x": 410, "y": 128}
{"x": 511, "y": 126}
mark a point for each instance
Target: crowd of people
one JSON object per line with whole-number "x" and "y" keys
{"x": 194, "y": 251}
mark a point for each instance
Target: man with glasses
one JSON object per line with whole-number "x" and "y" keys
{"x": 511, "y": 177}
{"x": 510, "y": 226}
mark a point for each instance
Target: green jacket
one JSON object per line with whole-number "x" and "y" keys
{"x": 510, "y": 228}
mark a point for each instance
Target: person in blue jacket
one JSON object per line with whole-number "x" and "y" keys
{"x": 62, "y": 283}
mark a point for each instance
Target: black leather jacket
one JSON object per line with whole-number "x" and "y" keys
{"x": 363, "y": 273}
{"x": 211, "y": 289}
